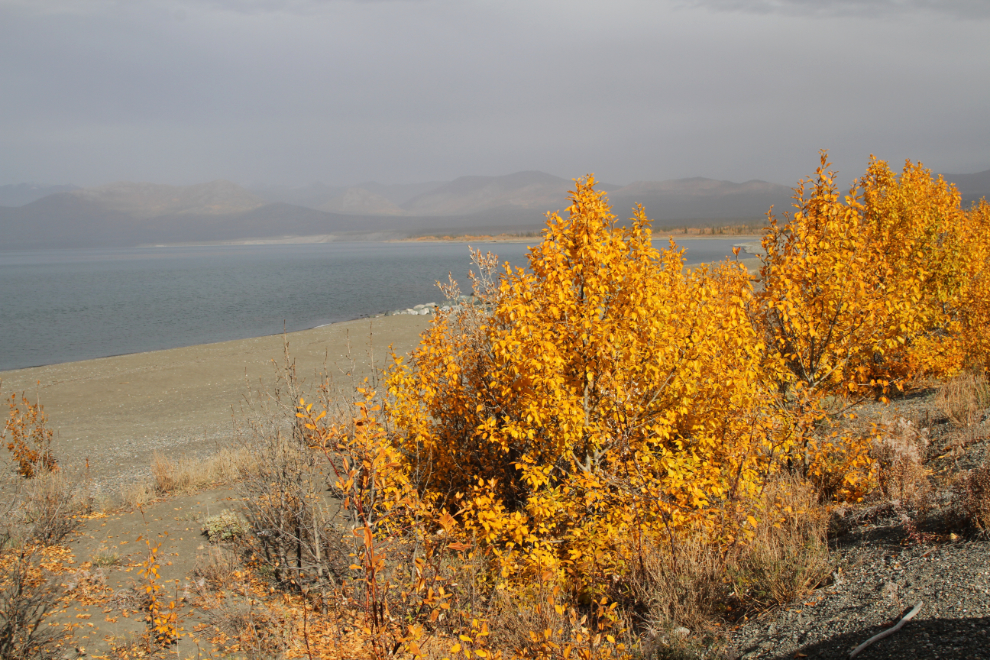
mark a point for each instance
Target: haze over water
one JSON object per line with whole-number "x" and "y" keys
{"x": 69, "y": 305}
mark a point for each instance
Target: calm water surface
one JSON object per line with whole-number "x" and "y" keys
{"x": 68, "y": 305}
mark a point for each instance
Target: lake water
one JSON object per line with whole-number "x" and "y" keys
{"x": 67, "y": 305}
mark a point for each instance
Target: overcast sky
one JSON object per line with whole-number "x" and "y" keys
{"x": 344, "y": 91}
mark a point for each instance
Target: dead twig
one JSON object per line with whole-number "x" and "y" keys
{"x": 888, "y": 631}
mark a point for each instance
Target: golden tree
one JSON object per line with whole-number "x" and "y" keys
{"x": 608, "y": 396}
{"x": 862, "y": 294}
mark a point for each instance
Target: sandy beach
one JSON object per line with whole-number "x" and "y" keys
{"x": 115, "y": 411}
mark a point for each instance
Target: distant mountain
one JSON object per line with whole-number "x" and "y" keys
{"x": 318, "y": 195}
{"x": 474, "y": 194}
{"x": 359, "y": 201}
{"x": 699, "y": 198}
{"x": 148, "y": 200}
{"x": 127, "y": 214}
{"x": 400, "y": 193}
{"x": 311, "y": 196}
{"x": 971, "y": 186}
{"x": 25, "y": 193}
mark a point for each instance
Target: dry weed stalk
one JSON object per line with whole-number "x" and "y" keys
{"x": 963, "y": 399}
{"x": 976, "y": 496}
{"x": 900, "y": 448}
{"x": 788, "y": 555}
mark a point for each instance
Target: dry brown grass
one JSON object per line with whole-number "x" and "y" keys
{"x": 682, "y": 585}
{"x": 228, "y": 465}
{"x": 900, "y": 452}
{"x": 788, "y": 556}
{"x": 976, "y": 496}
{"x": 217, "y": 567}
{"x": 691, "y": 585}
{"x": 964, "y": 398}
{"x": 137, "y": 495}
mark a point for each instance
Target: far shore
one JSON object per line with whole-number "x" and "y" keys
{"x": 514, "y": 238}
{"x": 389, "y": 237}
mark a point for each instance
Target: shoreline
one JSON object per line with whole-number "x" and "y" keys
{"x": 112, "y": 413}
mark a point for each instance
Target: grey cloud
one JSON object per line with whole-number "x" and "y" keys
{"x": 414, "y": 90}
{"x": 962, "y": 9}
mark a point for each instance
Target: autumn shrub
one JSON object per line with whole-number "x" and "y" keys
{"x": 975, "y": 305}
{"x": 27, "y": 596}
{"x": 860, "y": 295}
{"x": 607, "y": 393}
{"x": 49, "y": 508}
{"x": 963, "y": 399}
{"x": 28, "y": 437}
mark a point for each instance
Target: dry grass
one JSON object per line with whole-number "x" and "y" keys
{"x": 691, "y": 585}
{"x": 137, "y": 495}
{"x": 184, "y": 475}
{"x": 681, "y": 585}
{"x": 788, "y": 556}
{"x": 964, "y": 398}
{"x": 900, "y": 452}
{"x": 976, "y": 496}
{"x": 217, "y": 567}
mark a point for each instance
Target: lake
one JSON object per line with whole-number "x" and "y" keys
{"x": 68, "y": 305}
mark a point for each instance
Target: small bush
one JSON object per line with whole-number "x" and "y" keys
{"x": 26, "y": 597}
{"x": 788, "y": 555}
{"x": 976, "y": 496}
{"x": 218, "y": 566}
{"x": 105, "y": 558}
{"x": 225, "y": 526}
{"x": 964, "y": 398}
{"x": 49, "y": 507}
{"x": 28, "y": 437}
{"x": 900, "y": 450}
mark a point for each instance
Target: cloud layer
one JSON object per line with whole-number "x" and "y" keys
{"x": 345, "y": 91}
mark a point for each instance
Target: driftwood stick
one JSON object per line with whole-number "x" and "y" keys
{"x": 888, "y": 631}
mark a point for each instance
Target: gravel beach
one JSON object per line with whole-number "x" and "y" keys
{"x": 113, "y": 412}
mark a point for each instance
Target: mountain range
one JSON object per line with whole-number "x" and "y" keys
{"x": 130, "y": 214}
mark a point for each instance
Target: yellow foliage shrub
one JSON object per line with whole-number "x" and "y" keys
{"x": 609, "y": 393}
{"x": 862, "y": 294}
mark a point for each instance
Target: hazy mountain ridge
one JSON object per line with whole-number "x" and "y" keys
{"x": 20, "y": 194}
{"x": 972, "y": 187}
{"x": 148, "y": 200}
{"x": 361, "y": 201}
{"x": 474, "y": 194}
{"x": 127, "y": 214}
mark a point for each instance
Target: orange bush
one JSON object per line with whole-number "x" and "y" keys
{"x": 863, "y": 294}
{"x": 611, "y": 395}
{"x": 30, "y": 438}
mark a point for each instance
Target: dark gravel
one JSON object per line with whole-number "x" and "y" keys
{"x": 886, "y": 563}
